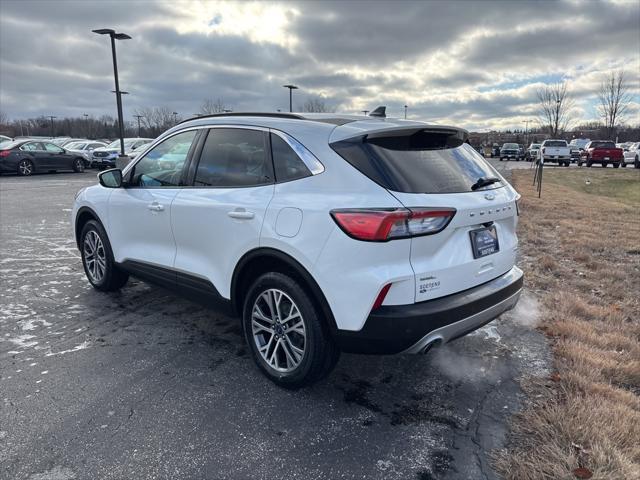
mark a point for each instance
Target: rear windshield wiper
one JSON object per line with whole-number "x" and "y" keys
{"x": 483, "y": 182}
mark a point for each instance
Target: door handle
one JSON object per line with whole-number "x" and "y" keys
{"x": 155, "y": 207}
{"x": 241, "y": 214}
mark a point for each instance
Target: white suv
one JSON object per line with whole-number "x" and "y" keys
{"x": 323, "y": 232}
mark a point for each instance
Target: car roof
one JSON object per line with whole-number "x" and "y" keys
{"x": 335, "y": 126}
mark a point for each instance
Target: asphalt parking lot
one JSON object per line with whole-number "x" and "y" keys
{"x": 143, "y": 384}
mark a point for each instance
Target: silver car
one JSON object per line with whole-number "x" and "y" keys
{"x": 85, "y": 148}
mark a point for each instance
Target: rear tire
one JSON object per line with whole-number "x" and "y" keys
{"x": 636, "y": 163}
{"x": 25, "y": 168}
{"x": 616, "y": 165}
{"x": 97, "y": 259}
{"x": 623, "y": 165}
{"x": 292, "y": 353}
{"x": 78, "y": 165}
{"x": 589, "y": 164}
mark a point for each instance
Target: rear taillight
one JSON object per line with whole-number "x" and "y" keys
{"x": 381, "y": 225}
{"x": 5, "y": 153}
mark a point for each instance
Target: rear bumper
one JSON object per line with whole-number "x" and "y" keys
{"x": 412, "y": 328}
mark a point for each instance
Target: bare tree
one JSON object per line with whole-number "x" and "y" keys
{"x": 614, "y": 99}
{"x": 555, "y": 107}
{"x": 210, "y": 106}
{"x": 317, "y": 104}
{"x": 155, "y": 120}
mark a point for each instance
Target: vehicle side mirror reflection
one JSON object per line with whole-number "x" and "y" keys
{"x": 111, "y": 178}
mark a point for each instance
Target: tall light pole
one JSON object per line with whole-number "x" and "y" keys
{"x": 86, "y": 123}
{"x": 52, "y": 118}
{"x": 365, "y": 112}
{"x": 405, "y": 111}
{"x": 139, "y": 117}
{"x": 175, "y": 117}
{"x": 526, "y": 130}
{"x": 116, "y": 36}
{"x": 291, "y": 89}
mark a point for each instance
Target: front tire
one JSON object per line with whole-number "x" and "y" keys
{"x": 97, "y": 259}
{"x": 78, "y": 165}
{"x": 289, "y": 340}
{"x": 25, "y": 168}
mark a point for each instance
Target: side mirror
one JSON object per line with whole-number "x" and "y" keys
{"x": 111, "y": 178}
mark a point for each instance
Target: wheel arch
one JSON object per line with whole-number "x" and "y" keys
{"x": 263, "y": 260}
{"x": 82, "y": 217}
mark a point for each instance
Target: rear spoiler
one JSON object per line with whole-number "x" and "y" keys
{"x": 435, "y": 136}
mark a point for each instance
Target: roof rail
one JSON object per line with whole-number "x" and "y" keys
{"x": 294, "y": 116}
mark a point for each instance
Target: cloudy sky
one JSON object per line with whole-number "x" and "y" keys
{"x": 474, "y": 64}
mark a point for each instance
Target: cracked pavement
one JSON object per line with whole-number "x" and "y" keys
{"x": 143, "y": 384}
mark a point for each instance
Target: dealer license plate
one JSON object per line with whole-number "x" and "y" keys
{"x": 484, "y": 241}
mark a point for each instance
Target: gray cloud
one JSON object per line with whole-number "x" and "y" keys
{"x": 473, "y": 63}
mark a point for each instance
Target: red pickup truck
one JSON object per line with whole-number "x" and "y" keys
{"x": 602, "y": 152}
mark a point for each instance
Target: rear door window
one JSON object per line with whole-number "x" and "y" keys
{"x": 555, "y": 143}
{"x": 234, "y": 157}
{"x": 417, "y": 164}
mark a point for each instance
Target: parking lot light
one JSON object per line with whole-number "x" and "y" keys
{"x": 116, "y": 36}
{"x": 291, "y": 89}
{"x": 52, "y": 118}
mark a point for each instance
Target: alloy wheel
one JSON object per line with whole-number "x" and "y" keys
{"x": 94, "y": 256}
{"x": 278, "y": 330}
{"x": 25, "y": 167}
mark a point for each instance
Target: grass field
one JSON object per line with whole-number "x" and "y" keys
{"x": 619, "y": 184}
{"x": 580, "y": 246}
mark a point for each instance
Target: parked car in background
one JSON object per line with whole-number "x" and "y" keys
{"x": 581, "y": 143}
{"x": 26, "y": 157}
{"x": 324, "y": 233}
{"x": 84, "y": 148}
{"x": 533, "y": 152}
{"x": 60, "y": 140}
{"x": 105, "y": 157}
{"x": 603, "y": 152}
{"x": 575, "y": 153}
{"x": 556, "y": 151}
{"x": 631, "y": 156}
{"x": 495, "y": 151}
{"x": 510, "y": 150}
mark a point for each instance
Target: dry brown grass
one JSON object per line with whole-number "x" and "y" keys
{"x": 581, "y": 255}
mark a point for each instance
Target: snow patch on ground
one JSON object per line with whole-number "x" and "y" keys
{"x": 24, "y": 341}
{"x": 30, "y": 324}
{"x": 82, "y": 346}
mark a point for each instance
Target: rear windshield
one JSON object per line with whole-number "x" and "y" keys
{"x": 400, "y": 165}
{"x": 513, "y": 146}
{"x": 603, "y": 145}
{"x": 555, "y": 143}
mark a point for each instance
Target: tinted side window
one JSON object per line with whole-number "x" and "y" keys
{"x": 162, "y": 165}
{"x": 29, "y": 146}
{"x": 234, "y": 157}
{"x": 287, "y": 163}
{"x": 53, "y": 148}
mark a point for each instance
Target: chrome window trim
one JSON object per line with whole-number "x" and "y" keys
{"x": 314, "y": 165}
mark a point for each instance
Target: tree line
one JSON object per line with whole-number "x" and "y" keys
{"x": 147, "y": 121}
